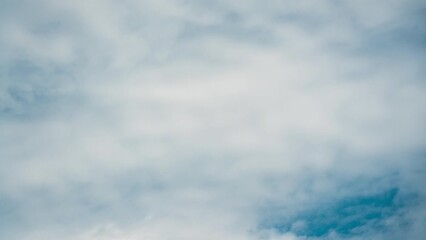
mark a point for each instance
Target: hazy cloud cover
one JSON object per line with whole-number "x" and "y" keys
{"x": 254, "y": 120}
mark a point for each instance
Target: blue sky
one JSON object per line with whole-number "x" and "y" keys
{"x": 257, "y": 120}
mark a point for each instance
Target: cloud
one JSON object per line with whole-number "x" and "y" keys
{"x": 206, "y": 120}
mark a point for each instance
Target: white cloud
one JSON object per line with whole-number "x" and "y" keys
{"x": 177, "y": 120}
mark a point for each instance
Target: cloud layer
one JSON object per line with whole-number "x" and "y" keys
{"x": 212, "y": 120}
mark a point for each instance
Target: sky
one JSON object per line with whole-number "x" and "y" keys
{"x": 212, "y": 120}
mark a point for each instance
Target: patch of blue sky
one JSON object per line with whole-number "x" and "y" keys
{"x": 348, "y": 217}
